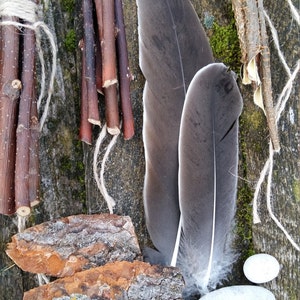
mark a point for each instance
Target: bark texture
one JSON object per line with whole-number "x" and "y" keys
{"x": 114, "y": 281}
{"x": 67, "y": 182}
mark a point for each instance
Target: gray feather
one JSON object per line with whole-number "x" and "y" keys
{"x": 208, "y": 162}
{"x": 173, "y": 47}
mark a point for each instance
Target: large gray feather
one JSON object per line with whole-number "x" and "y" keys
{"x": 208, "y": 162}
{"x": 173, "y": 47}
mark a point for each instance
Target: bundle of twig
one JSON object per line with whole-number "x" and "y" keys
{"x": 19, "y": 164}
{"x": 103, "y": 49}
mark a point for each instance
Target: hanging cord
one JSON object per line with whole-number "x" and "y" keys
{"x": 99, "y": 177}
{"x": 27, "y": 11}
{"x": 267, "y": 170}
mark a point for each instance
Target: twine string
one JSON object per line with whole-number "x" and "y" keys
{"x": 283, "y": 98}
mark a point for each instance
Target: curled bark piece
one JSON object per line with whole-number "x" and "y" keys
{"x": 106, "y": 17}
{"x": 85, "y": 131}
{"x": 253, "y": 38}
{"x": 124, "y": 73}
{"x": 9, "y": 94}
{"x": 68, "y": 245}
{"x": 22, "y": 198}
{"x": 90, "y": 64}
{"x": 118, "y": 280}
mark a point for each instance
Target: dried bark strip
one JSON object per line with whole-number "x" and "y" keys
{"x": 85, "y": 131}
{"x": 75, "y": 243}
{"x": 124, "y": 73}
{"x": 106, "y": 17}
{"x": 22, "y": 198}
{"x": 253, "y": 38}
{"x": 9, "y": 95}
{"x": 90, "y": 63}
{"x": 118, "y": 280}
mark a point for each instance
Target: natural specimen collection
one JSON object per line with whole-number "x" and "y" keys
{"x": 104, "y": 51}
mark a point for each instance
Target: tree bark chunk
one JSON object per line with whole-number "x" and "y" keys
{"x": 68, "y": 245}
{"x": 117, "y": 280}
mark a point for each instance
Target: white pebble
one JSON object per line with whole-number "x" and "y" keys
{"x": 240, "y": 292}
{"x": 261, "y": 268}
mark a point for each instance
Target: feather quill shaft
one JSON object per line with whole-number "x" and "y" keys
{"x": 208, "y": 161}
{"x": 173, "y": 47}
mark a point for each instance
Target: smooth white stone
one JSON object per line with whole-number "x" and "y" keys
{"x": 240, "y": 292}
{"x": 261, "y": 268}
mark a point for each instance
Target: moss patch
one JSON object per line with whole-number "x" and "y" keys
{"x": 296, "y": 189}
{"x": 70, "y": 40}
{"x": 68, "y": 5}
{"x": 225, "y": 45}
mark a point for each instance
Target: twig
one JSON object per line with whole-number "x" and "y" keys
{"x": 266, "y": 80}
{"x": 124, "y": 73}
{"x": 90, "y": 64}
{"x": 34, "y": 164}
{"x": 9, "y": 93}
{"x": 99, "y": 80}
{"x": 85, "y": 131}
{"x": 22, "y": 198}
{"x": 105, "y": 13}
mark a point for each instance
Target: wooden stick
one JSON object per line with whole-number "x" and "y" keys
{"x": 9, "y": 93}
{"x": 90, "y": 64}
{"x": 106, "y": 15}
{"x": 267, "y": 81}
{"x": 85, "y": 131}
{"x": 124, "y": 73}
{"x": 22, "y": 198}
{"x": 99, "y": 80}
{"x": 34, "y": 164}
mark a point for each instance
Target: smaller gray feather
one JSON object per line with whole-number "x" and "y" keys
{"x": 208, "y": 164}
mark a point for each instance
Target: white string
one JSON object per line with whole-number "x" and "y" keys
{"x": 100, "y": 178}
{"x": 280, "y": 106}
{"x": 27, "y": 11}
{"x": 294, "y": 12}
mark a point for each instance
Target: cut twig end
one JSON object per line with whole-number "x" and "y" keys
{"x": 113, "y": 130}
{"x": 109, "y": 82}
{"x": 16, "y": 84}
{"x": 23, "y": 211}
{"x": 94, "y": 121}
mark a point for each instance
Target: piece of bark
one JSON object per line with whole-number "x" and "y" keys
{"x": 10, "y": 87}
{"x": 117, "y": 280}
{"x": 75, "y": 243}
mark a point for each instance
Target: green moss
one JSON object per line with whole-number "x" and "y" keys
{"x": 296, "y": 189}
{"x": 244, "y": 222}
{"x": 68, "y": 5}
{"x": 225, "y": 45}
{"x": 70, "y": 40}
